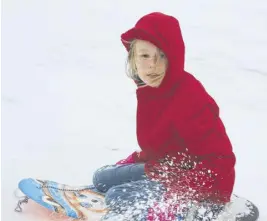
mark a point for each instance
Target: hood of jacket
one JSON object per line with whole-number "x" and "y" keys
{"x": 164, "y": 32}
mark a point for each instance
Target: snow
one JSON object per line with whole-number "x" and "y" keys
{"x": 68, "y": 107}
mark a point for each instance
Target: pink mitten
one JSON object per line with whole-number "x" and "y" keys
{"x": 128, "y": 160}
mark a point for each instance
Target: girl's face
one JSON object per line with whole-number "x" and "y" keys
{"x": 151, "y": 63}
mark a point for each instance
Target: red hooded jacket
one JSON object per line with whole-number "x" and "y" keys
{"x": 183, "y": 140}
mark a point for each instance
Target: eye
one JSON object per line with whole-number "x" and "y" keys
{"x": 145, "y": 56}
{"x": 162, "y": 55}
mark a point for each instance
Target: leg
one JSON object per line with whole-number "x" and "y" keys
{"x": 109, "y": 176}
{"x": 131, "y": 201}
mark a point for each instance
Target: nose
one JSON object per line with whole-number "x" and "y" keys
{"x": 155, "y": 60}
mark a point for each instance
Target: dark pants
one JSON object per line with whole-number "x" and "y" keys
{"x": 128, "y": 192}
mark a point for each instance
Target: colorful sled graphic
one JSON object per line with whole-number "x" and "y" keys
{"x": 86, "y": 203}
{"x": 81, "y": 202}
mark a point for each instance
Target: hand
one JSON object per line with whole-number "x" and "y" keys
{"x": 130, "y": 159}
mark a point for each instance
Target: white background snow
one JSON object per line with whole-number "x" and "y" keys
{"x": 68, "y": 107}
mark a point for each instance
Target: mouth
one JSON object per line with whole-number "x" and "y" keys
{"x": 153, "y": 75}
{"x": 153, "y": 79}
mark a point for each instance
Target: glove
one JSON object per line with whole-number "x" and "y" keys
{"x": 130, "y": 159}
{"x": 135, "y": 157}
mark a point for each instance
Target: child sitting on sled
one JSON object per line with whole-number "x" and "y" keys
{"x": 186, "y": 155}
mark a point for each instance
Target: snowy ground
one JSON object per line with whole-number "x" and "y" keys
{"x": 68, "y": 107}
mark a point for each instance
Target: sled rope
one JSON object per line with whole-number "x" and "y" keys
{"x": 25, "y": 200}
{"x": 65, "y": 189}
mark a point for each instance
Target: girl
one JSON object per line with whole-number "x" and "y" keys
{"x": 186, "y": 155}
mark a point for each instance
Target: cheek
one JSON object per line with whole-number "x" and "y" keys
{"x": 143, "y": 66}
{"x": 163, "y": 68}
{"x": 141, "y": 70}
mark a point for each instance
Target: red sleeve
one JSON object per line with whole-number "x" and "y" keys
{"x": 135, "y": 157}
{"x": 140, "y": 157}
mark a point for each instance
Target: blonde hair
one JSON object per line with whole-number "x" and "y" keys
{"x": 131, "y": 69}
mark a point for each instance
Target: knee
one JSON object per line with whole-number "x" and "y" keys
{"x": 112, "y": 195}
{"x": 117, "y": 194}
{"x": 95, "y": 178}
{"x": 98, "y": 179}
